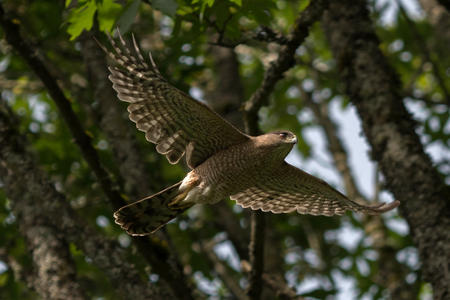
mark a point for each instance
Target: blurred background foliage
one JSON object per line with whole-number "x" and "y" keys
{"x": 322, "y": 257}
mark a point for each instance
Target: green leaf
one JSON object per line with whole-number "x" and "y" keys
{"x": 128, "y": 16}
{"x": 237, "y": 2}
{"x": 108, "y": 12}
{"x": 81, "y": 18}
{"x": 168, "y": 7}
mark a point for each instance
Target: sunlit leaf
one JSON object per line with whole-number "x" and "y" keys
{"x": 81, "y": 18}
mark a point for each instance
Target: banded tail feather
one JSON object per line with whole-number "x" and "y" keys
{"x": 147, "y": 215}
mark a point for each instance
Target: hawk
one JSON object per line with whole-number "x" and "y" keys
{"x": 224, "y": 161}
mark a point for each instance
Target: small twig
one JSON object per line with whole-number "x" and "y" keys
{"x": 222, "y": 271}
{"x": 155, "y": 254}
{"x": 251, "y": 107}
{"x": 83, "y": 141}
{"x": 263, "y": 34}
{"x": 54, "y": 218}
{"x": 284, "y": 62}
{"x": 282, "y": 290}
{"x": 256, "y": 255}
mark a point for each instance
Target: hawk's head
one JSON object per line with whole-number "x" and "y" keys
{"x": 279, "y": 143}
{"x": 283, "y": 137}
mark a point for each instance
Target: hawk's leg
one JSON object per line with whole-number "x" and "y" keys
{"x": 187, "y": 193}
{"x": 178, "y": 203}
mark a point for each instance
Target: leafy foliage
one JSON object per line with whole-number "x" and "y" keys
{"x": 180, "y": 34}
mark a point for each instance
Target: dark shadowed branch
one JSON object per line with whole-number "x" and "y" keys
{"x": 53, "y": 273}
{"x": 256, "y": 254}
{"x": 282, "y": 290}
{"x": 39, "y": 224}
{"x": 283, "y": 63}
{"x": 225, "y": 96}
{"x": 154, "y": 253}
{"x": 222, "y": 270}
{"x": 83, "y": 141}
{"x": 258, "y": 99}
{"x": 119, "y": 133}
{"x": 446, "y": 4}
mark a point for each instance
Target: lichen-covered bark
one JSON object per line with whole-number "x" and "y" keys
{"x": 55, "y": 274}
{"x": 374, "y": 89}
{"x": 49, "y": 223}
{"x": 119, "y": 132}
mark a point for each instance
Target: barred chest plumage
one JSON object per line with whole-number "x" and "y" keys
{"x": 230, "y": 171}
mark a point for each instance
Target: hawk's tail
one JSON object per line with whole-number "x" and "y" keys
{"x": 151, "y": 213}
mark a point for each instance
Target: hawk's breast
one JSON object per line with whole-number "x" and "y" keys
{"x": 228, "y": 172}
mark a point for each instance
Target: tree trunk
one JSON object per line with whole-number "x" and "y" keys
{"x": 374, "y": 88}
{"x": 49, "y": 225}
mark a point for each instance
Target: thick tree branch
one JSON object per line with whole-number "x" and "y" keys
{"x": 225, "y": 95}
{"x": 446, "y": 4}
{"x": 281, "y": 289}
{"x": 392, "y": 273}
{"x": 129, "y": 159}
{"x": 227, "y": 221}
{"x": 283, "y": 63}
{"x": 256, "y": 254}
{"x": 263, "y": 34}
{"x": 222, "y": 271}
{"x": 159, "y": 254}
{"x": 374, "y": 88}
{"x": 83, "y": 141}
{"x": 53, "y": 275}
{"x": 230, "y": 92}
{"x": 118, "y": 131}
{"x": 259, "y": 98}
{"x": 46, "y": 219}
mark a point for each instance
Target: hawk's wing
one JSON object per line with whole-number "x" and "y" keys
{"x": 171, "y": 119}
{"x": 290, "y": 189}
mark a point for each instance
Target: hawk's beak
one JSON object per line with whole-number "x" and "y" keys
{"x": 293, "y": 140}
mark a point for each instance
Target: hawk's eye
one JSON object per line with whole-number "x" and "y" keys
{"x": 283, "y": 135}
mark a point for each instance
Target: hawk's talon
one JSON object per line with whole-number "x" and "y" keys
{"x": 177, "y": 202}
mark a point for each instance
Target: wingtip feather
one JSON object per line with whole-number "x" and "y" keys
{"x": 384, "y": 207}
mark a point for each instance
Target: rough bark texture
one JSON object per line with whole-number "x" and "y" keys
{"x": 374, "y": 88}
{"x": 120, "y": 135}
{"x": 156, "y": 254}
{"x": 55, "y": 274}
{"x": 227, "y": 93}
{"x": 391, "y": 273}
{"x": 119, "y": 132}
{"x": 43, "y": 224}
